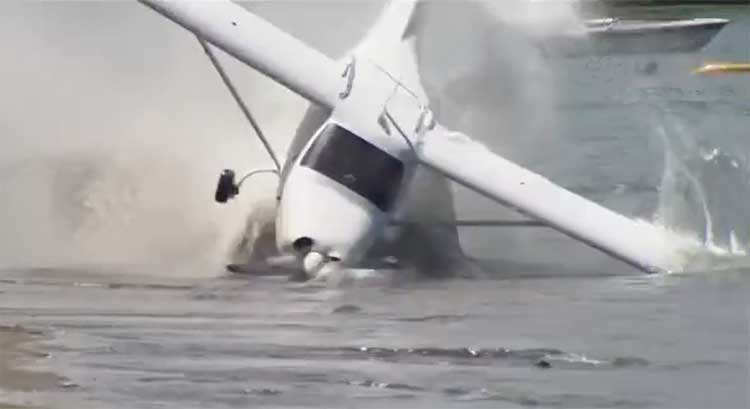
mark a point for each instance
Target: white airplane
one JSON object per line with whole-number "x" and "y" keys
{"x": 368, "y": 136}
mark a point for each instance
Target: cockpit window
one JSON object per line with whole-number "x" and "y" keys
{"x": 356, "y": 164}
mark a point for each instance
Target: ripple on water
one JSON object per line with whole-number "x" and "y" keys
{"x": 443, "y": 318}
{"x": 347, "y": 309}
{"x": 537, "y": 357}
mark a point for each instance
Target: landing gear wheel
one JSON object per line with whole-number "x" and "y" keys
{"x": 226, "y": 188}
{"x": 313, "y": 263}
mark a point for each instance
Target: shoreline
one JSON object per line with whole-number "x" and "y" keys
{"x": 14, "y": 352}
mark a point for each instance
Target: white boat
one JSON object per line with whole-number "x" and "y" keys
{"x": 609, "y": 36}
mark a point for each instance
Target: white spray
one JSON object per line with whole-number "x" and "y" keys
{"x": 114, "y": 130}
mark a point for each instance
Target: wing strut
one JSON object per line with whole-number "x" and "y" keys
{"x": 238, "y": 99}
{"x": 474, "y": 223}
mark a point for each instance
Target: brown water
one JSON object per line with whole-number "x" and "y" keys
{"x": 662, "y": 341}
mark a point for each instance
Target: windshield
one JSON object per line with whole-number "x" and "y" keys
{"x": 356, "y": 164}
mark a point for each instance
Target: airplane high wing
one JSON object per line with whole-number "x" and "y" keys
{"x": 469, "y": 163}
{"x": 380, "y": 128}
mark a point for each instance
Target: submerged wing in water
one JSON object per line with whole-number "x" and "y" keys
{"x": 642, "y": 245}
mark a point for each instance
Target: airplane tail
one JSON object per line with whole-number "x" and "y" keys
{"x": 391, "y": 28}
{"x": 390, "y": 43}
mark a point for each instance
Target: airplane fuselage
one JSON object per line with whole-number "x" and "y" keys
{"x": 341, "y": 190}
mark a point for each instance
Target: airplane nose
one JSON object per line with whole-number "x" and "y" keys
{"x": 304, "y": 245}
{"x": 313, "y": 263}
{"x": 317, "y": 215}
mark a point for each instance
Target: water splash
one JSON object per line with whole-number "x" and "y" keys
{"x": 116, "y": 164}
{"x": 704, "y": 190}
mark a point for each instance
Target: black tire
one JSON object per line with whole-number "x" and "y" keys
{"x": 225, "y": 189}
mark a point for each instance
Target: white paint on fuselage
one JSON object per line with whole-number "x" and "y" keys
{"x": 339, "y": 221}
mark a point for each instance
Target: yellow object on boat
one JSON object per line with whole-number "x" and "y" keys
{"x": 723, "y": 68}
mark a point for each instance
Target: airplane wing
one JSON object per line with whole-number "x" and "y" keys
{"x": 469, "y": 163}
{"x": 259, "y": 44}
